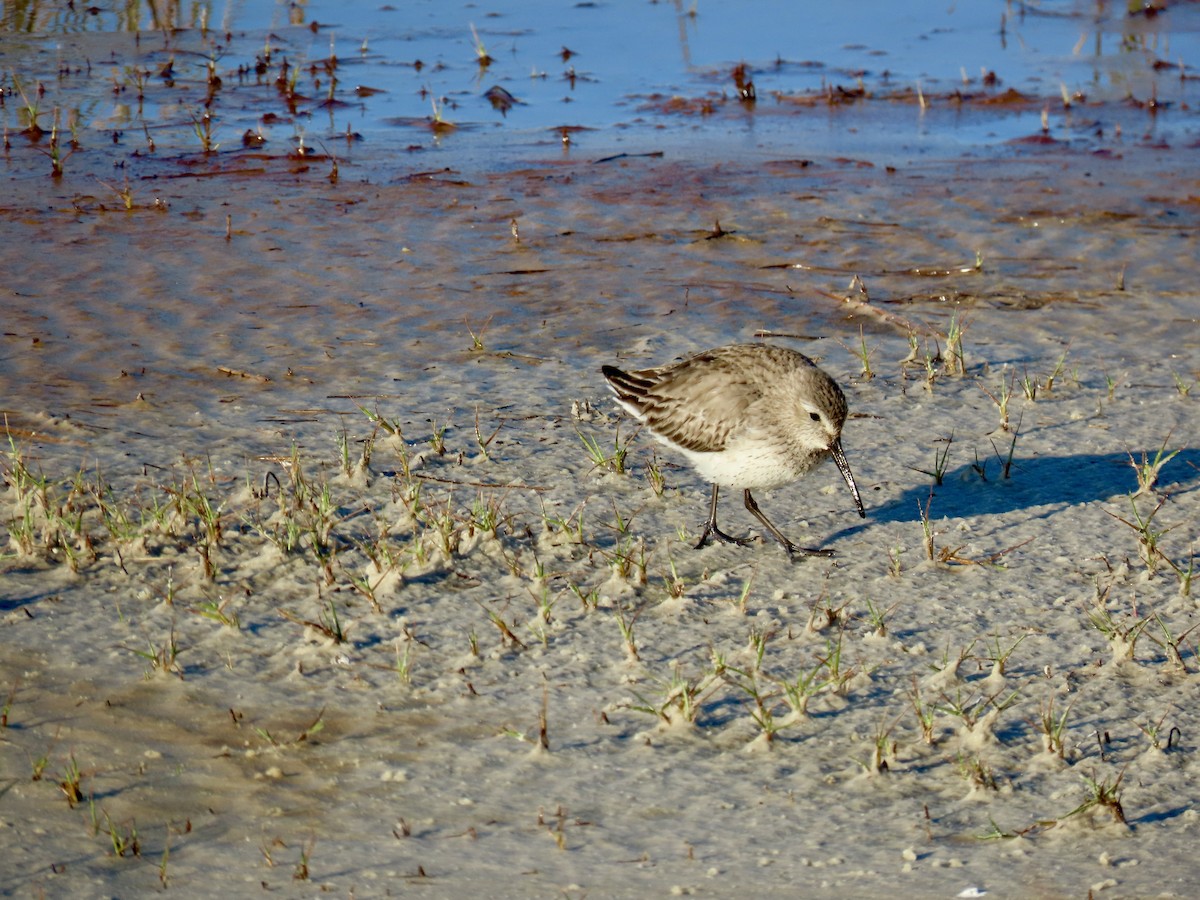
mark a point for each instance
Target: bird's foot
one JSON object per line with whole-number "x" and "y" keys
{"x": 713, "y": 533}
{"x": 794, "y": 551}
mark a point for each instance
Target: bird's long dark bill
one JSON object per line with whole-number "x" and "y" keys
{"x": 844, "y": 467}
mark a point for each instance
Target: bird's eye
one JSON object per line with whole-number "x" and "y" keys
{"x": 815, "y": 417}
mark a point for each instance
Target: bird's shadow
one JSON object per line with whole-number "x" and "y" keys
{"x": 1031, "y": 482}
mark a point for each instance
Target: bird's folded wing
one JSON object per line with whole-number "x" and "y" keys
{"x": 699, "y": 407}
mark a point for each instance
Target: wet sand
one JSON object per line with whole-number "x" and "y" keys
{"x": 312, "y": 583}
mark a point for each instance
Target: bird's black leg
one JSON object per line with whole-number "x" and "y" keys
{"x": 711, "y": 531}
{"x": 791, "y": 548}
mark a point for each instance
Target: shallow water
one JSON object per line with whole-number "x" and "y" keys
{"x": 621, "y": 74}
{"x": 216, "y": 339}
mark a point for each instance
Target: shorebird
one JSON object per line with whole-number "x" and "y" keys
{"x": 745, "y": 416}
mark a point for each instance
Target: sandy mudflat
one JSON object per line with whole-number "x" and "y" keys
{"x": 311, "y": 586}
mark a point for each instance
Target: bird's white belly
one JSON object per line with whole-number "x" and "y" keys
{"x": 752, "y": 464}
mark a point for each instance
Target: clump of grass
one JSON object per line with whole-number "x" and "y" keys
{"x": 680, "y": 696}
{"x": 565, "y": 529}
{"x": 927, "y": 528}
{"x": 6, "y": 709}
{"x": 1006, "y": 461}
{"x": 1148, "y": 537}
{"x": 328, "y": 622}
{"x": 1053, "y": 727}
{"x": 655, "y": 476}
{"x": 403, "y": 667}
{"x": 55, "y": 151}
{"x": 481, "y": 54}
{"x": 439, "y": 124}
{"x": 1148, "y": 469}
{"x": 626, "y": 623}
{"x": 71, "y": 782}
{"x": 217, "y": 610}
{"x": 507, "y": 636}
{"x": 40, "y": 765}
{"x": 826, "y": 674}
{"x": 484, "y": 443}
{"x": 627, "y": 559}
{"x": 1060, "y": 368}
{"x": 1153, "y": 730}
{"x": 29, "y": 528}
{"x": 1121, "y": 633}
{"x": 162, "y": 657}
{"x": 1173, "y": 644}
{"x": 924, "y": 713}
{"x": 441, "y": 524}
{"x": 955, "y": 361}
{"x": 203, "y": 126}
{"x": 601, "y": 457}
{"x": 805, "y": 684}
{"x": 477, "y": 344}
{"x": 744, "y": 594}
{"x": 676, "y": 586}
{"x": 921, "y": 355}
{"x": 878, "y": 617}
{"x": 301, "y": 870}
{"x": 823, "y": 615}
{"x": 30, "y": 110}
{"x": 976, "y": 771}
{"x": 1002, "y": 397}
{"x": 193, "y": 505}
{"x": 1001, "y": 652}
{"x": 124, "y": 193}
{"x": 974, "y": 710}
{"x": 123, "y": 836}
{"x": 1029, "y": 386}
{"x": 941, "y": 459}
{"x": 437, "y": 438}
{"x": 1102, "y": 794}
{"x": 861, "y": 351}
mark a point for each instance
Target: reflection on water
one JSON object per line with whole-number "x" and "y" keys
{"x": 629, "y": 74}
{"x": 60, "y": 18}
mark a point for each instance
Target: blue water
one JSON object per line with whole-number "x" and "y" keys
{"x": 638, "y": 77}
